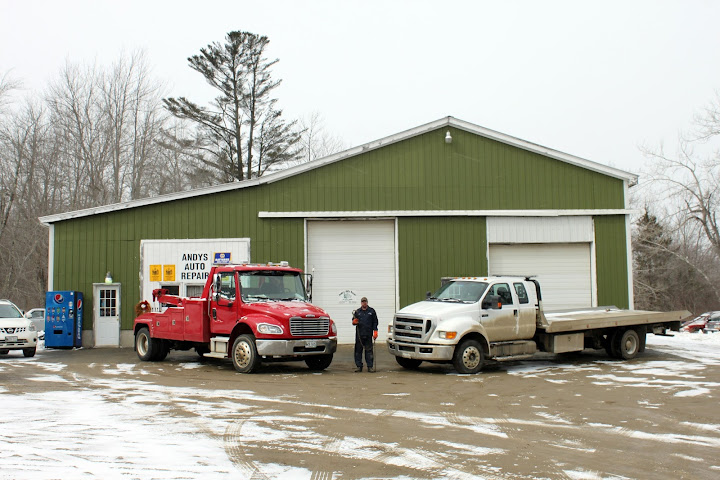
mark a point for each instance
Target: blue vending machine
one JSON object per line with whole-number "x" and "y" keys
{"x": 63, "y": 319}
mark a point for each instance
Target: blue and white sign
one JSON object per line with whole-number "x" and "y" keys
{"x": 221, "y": 258}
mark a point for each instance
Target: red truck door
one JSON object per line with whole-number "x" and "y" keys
{"x": 224, "y": 304}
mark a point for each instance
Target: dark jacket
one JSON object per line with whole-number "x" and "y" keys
{"x": 368, "y": 321}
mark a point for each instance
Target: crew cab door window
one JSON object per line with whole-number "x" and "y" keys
{"x": 521, "y": 293}
{"x": 502, "y": 290}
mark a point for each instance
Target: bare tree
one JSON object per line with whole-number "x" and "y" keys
{"x": 25, "y": 180}
{"x": 80, "y": 123}
{"x": 694, "y": 184}
{"x": 316, "y": 142}
{"x": 134, "y": 114}
{"x": 688, "y": 184}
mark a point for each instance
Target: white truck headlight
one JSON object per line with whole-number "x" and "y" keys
{"x": 269, "y": 329}
{"x": 447, "y": 335}
{"x": 31, "y": 328}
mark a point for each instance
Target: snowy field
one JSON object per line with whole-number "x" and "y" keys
{"x": 123, "y": 425}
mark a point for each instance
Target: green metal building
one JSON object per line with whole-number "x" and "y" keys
{"x": 386, "y": 220}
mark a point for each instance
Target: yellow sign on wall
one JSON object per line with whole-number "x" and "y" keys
{"x": 168, "y": 273}
{"x": 155, "y": 273}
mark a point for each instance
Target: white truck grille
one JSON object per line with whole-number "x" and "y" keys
{"x": 410, "y": 329}
{"x": 309, "y": 327}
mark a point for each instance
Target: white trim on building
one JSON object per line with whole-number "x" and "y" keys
{"x": 445, "y": 213}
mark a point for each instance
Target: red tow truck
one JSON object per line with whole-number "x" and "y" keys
{"x": 251, "y": 313}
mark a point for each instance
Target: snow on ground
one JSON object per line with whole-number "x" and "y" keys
{"x": 127, "y": 430}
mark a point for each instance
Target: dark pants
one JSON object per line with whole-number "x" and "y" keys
{"x": 364, "y": 342}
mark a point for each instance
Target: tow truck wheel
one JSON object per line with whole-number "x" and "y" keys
{"x": 468, "y": 357}
{"x": 161, "y": 349}
{"x": 244, "y": 354}
{"x": 202, "y": 350}
{"x": 629, "y": 344}
{"x": 29, "y": 352}
{"x": 409, "y": 363}
{"x": 319, "y": 362}
{"x": 145, "y": 345}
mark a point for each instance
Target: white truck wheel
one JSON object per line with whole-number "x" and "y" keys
{"x": 468, "y": 357}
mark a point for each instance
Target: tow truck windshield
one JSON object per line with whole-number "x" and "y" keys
{"x": 459, "y": 291}
{"x": 264, "y": 285}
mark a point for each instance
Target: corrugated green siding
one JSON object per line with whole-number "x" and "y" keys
{"x": 421, "y": 173}
{"x": 611, "y": 257}
{"x": 424, "y": 173}
{"x": 431, "y": 248}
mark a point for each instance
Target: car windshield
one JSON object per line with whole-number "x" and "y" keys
{"x": 9, "y": 311}
{"x": 460, "y": 292}
{"x": 261, "y": 286}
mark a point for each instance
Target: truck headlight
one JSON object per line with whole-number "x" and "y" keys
{"x": 333, "y": 328}
{"x": 269, "y": 329}
{"x": 447, "y": 335}
{"x": 31, "y": 328}
{"x": 390, "y": 329}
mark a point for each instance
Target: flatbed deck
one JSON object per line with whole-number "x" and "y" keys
{"x": 604, "y": 317}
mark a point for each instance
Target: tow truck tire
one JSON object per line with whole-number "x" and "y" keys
{"x": 201, "y": 351}
{"x": 628, "y": 344}
{"x": 244, "y": 354}
{"x": 161, "y": 351}
{"x": 29, "y": 352}
{"x": 319, "y": 362}
{"x": 409, "y": 363}
{"x": 145, "y": 346}
{"x": 468, "y": 357}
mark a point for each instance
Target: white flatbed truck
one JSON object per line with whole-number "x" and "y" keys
{"x": 473, "y": 319}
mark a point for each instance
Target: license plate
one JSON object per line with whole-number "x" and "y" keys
{"x": 310, "y": 343}
{"x": 11, "y": 339}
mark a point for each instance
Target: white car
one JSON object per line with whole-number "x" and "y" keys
{"x": 16, "y": 331}
{"x": 37, "y": 317}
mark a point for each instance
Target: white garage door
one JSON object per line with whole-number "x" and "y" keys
{"x": 350, "y": 260}
{"x": 563, "y": 270}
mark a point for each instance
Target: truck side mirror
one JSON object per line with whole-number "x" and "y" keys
{"x": 218, "y": 284}
{"x": 491, "y": 302}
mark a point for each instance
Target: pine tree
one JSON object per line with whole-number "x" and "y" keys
{"x": 243, "y": 130}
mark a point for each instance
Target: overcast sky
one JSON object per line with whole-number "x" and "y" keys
{"x": 593, "y": 79}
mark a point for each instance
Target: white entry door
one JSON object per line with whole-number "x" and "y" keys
{"x": 106, "y": 314}
{"x": 350, "y": 260}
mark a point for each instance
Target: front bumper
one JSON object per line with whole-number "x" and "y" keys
{"x": 18, "y": 342}
{"x": 293, "y": 348}
{"x": 421, "y": 351}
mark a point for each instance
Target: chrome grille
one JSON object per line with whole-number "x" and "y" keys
{"x": 309, "y": 327}
{"x": 410, "y": 329}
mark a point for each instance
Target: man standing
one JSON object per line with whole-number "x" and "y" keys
{"x": 366, "y": 330}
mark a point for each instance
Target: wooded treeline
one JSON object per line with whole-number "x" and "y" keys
{"x": 676, "y": 242}
{"x": 105, "y": 134}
